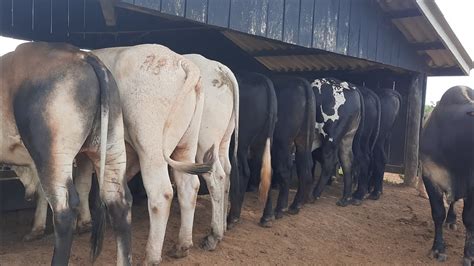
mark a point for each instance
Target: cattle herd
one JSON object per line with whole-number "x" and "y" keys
{"x": 67, "y": 114}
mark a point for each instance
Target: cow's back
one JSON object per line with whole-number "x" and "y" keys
{"x": 447, "y": 138}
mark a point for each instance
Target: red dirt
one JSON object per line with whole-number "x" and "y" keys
{"x": 397, "y": 229}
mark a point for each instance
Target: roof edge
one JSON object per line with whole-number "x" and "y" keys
{"x": 436, "y": 18}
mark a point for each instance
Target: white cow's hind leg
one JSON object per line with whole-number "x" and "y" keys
{"x": 82, "y": 181}
{"x": 216, "y": 184}
{"x": 160, "y": 193}
{"x": 226, "y": 164}
{"x": 41, "y": 212}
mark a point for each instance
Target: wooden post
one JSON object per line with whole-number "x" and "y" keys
{"x": 414, "y": 112}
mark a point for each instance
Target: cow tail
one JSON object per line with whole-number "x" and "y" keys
{"x": 192, "y": 82}
{"x": 310, "y": 116}
{"x": 379, "y": 116}
{"x": 106, "y": 84}
{"x": 362, "y": 109}
{"x": 266, "y": 168}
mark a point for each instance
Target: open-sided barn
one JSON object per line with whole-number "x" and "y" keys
{"x": 384, "y": 43}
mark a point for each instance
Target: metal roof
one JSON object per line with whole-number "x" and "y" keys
{"x": 424, "y": 26}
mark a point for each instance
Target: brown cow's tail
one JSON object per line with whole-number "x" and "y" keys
{"x": 191, "y": 83}
{"x": 266, "y": 169}
{"x": 106, "y": 84}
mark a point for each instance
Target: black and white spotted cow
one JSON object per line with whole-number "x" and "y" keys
{"x": 390, "y": 102}
{"x": 55, "y": 102}
{"x": 294, "y": 130}
{"x": 364, "y": 142}
{"x": 447, "y": 157}
{"x": 339, "y": 109}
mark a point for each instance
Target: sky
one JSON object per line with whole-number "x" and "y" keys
{"x": 459, "y": 15}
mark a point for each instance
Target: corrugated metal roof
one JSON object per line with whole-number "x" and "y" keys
{"x": 277, "y": 56}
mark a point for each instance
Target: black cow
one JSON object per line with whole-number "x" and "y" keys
{"x": 294, "y": 129}
{"x": 339, "y": 111}
{"x": 390, "y": 102}
{"x": 57, "y": 101}
{"x": 257, "y": 118}
{"x": 364, "y": 142}
{"x": 447, "y": 157}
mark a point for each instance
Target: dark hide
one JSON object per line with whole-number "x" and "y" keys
{"x": 447, "y": 156}
{"x": 294, "y": 129}
{"x": 364, "y": 142}
{"x": 390, "y": 102}
{"x": 257, "y": 118}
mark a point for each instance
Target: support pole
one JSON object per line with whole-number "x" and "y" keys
{"x": 414, "y": 112}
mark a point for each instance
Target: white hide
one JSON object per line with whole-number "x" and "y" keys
{"x": 158, "y": 112}
{"x": 220, "y": 117}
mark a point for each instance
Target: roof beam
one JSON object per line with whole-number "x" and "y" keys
{"x": 406, "y": 13}
{"x": 428, "y": 46}
{"x": 285, "y": 52}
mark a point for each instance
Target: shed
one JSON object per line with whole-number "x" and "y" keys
{"x": 382, "y": 44}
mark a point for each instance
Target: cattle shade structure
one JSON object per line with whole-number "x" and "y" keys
{"x": 380, "y": 44}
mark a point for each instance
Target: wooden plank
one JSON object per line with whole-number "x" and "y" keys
{"x": 196, "y": 10}
{"x": 343, "y": 26}
{"x": 373, "y": 27}
{"x": 331, "y": 34}
{"x": 388, "y": 43}
{"x": 173, "y": 7}
{"x": 395, "y": 48}
{"x": 305, "y": 35}
{"x": 381, "y": 36}
{"x": 354, "y": 28}
{"x": 238, "y": 15}
{"x": 364, "y": 30}
{"x": 258, "y": 17}
{"x": 291, "y": 21}
{"x": 275, "y": 19}
{"x": 218, "y": 13}
{"x": 320, "y": 23}
{"x": 151, "y": 4}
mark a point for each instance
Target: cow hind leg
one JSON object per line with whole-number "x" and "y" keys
{"x": 41, "y": 213}
{"x": 468, "y": 220}
{"x": 187, "y": 187}
{"x": 216, "y": 183}
{"x": 377, "y": 173}
{"x": 160, "y": 194}
{"x": 303, "y": 169}
{"x": 239, "y": 179}
{"x": 329, "y": 160}
{"x": 82, "y": 180}
{"x": 346, "y": 158}
{"x": 451, "y": 218}
{"x": 438, "y": 212}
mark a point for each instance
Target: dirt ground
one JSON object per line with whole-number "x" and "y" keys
{"x": 397, "y": 229}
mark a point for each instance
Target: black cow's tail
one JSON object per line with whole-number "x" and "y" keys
{"x": 266, "y": 169}
{"x": 362, "y": 109}
{"x": 379, "y": 116}
{"x": 106, "y": 84}
{"x": 310, "y": 114}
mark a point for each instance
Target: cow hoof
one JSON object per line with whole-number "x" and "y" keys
{"x": 278, "y": 214}
{"x": 343, "y": 202}
{"x": 439, "y": 256}
{"x": 293, "y": 211}
{"x": 34, "y": 235}
{"x": 179, "y": 251}
{"x": 153, "y": 262}
{"x": 452, "y": 226}
{"x": 468, "y": 261}
{"x": 356, "y": 202}
{"x": 232, "y": 222}
{"x": 209, "y": 243}
{"x": 266, "y": 222}
{"x": 375, "y": 195}
{"x": 84, "y": 228}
